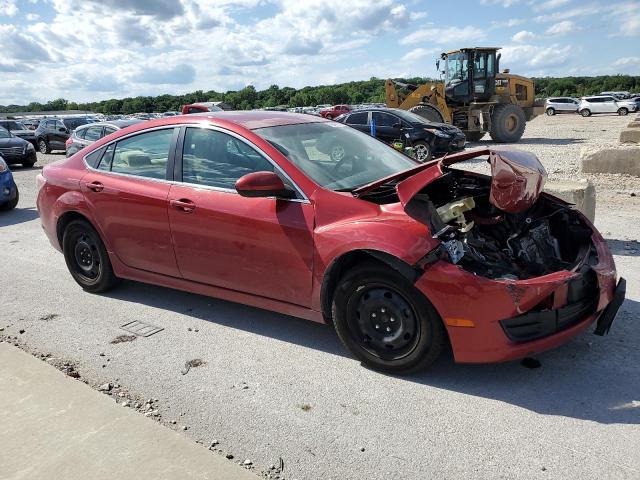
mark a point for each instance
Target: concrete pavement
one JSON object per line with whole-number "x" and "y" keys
{"x": 55, "y": 427}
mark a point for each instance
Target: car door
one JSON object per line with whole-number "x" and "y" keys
{"x": 261, "y": 246}
{"x": 385, "y": 126}
{"x": 127, "y": 194}
{"x": 59, "y": 135}
{"x": 610, "y": 105}
{"x": 359, "y": 121}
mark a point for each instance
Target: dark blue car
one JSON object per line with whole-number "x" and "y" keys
{"x": 8, "y": 188}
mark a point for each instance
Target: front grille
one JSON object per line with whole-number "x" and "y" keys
{"x": 11, "y": 151}
{"x": 582, "y": 301}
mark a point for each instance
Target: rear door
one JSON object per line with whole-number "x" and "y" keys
{"x": 127, "y": 194}
{"x": 261, "y": 246}
{"x": 609, "y": 105}
{"x": 359, "y": 121}
{"x": 386, "y": 126}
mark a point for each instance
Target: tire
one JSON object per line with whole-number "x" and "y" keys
{"x": 384, "y": 294}
{"x": 422, "y": 151}
{"x": 43, "y": 146}
{"x": 551, "y": 112}
{"x": 507, "y": 123}
{"x": 28, "y": 164}
{"x": 474, "y": 136}
{"x": 11, "y": 204}
{"x": 623, "y": 111}
{"x": 428, "y": 112}
{"x": 86, "y": 257}
{"x": 585, "y": 112}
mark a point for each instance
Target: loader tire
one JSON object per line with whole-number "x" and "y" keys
{"x": 428, "y": 112}
{"x": 507, "y": 123}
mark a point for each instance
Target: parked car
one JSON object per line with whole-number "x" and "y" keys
{"x": 403, "y": 258}
{"x": 200, "y": 107}
{"x": 19, "y": 130}
{"x": 9, "y": 195}
{"x": 31, "y": 123}
{"x": 170, "y": 114}
{"x": 561, "y": 105}
{"x": 602, "y": 104}
{"x": 52, "y": 133}
{"x": 333, "y": 112}
{"x": 87, "y": 134}
{"x": 618, "y": 95}
{"x": 16, "y": 150}
{"x": 427, "y": 138}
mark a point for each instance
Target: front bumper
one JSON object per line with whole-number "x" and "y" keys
{"x": 8, "y": 187}
{"x": 448, "y": 145}
{"x": 28, "y": 156}
{"x": 499, "y": 320}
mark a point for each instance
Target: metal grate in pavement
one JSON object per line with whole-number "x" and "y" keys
{"x": 140, "y": 328}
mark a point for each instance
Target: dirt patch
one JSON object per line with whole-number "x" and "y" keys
{"x": 196, "y": 362}
{"x": 123, "y": 338}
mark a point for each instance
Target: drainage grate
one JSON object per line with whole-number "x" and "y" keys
{"x": 141, "y": 329}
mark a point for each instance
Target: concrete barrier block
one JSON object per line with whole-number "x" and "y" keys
{"x": 614, "y": 159}
{"x": 581, "y": 193}
{"x": 630, "y": 136}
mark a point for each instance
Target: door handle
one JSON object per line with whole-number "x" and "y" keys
{"x": 184, "y": 205}
{"x": 95, "y": 186}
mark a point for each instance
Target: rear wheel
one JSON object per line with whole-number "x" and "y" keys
{"x": 11, "y": 204}
{"x": 507, "y": 123}
{"x": 422, "y": 151}
{"x": 28, "y": 164}
{"x": 585, "y": 112}
{"x": 551, "y": 111}
{"x": 385, "y": 321}
{"x": 623, "y": 111}
{"x": 43, "y": 146}
{"x": 86, "y": 257}
{"x": 428, "y": 112}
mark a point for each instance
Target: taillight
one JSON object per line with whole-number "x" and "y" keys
{"x": 68, "y": 142}
{"x": 40, "y": 181}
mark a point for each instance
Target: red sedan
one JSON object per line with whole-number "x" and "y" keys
{"x": 403, "y": 258}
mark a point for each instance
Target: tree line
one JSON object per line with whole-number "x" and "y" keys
{"x": 366, "y": 91}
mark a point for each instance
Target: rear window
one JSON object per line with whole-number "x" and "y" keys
{"x": 73, "y": 123}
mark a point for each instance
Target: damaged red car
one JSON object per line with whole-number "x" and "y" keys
{"x": 403, "y": 258}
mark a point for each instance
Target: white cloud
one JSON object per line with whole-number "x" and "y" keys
{"x": 8, "y": 8}
{"x": 448, "y": 35}
{"x": 523, "y": 36}
{"x": 550, "y": 5}
{"x": 419, "y": 53}
{"x": 32, "y": 17}
{"x": 535, "y": 56}
{"x": 503, "y": 3}
{"x": 509, "y": 23}
{"x": 625, "y": 61}
{"x": 561, "y": 28}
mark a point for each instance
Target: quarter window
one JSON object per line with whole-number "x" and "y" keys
{"x": 145, "y": 155}
{"x": 93, "y": 133}
{"x": 216, "y": 159}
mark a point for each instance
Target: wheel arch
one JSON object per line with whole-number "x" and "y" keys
{"x": 341, "y": 264}
{"x": 65, "y": 219}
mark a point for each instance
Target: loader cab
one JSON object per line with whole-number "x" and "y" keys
{"x": 470, "y": 75}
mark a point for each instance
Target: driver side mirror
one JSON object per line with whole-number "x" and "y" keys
{"x": 263, "y": 184}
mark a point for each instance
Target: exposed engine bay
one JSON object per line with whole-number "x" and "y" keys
{"x": 544, "y": 238}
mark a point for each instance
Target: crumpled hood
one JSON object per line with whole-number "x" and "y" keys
{"x": 517, "y": 178}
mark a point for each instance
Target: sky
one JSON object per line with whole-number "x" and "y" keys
{"x": 90, "y": 50}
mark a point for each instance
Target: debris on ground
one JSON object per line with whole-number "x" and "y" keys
{"x": 123, "y": 338}
{"x": 196, "y": 362}
{"x": 305, "y": 407}
{"x": 105, "y": 387}
{"x": 49, "y": 316}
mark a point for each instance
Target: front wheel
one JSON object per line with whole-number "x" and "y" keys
{"x": 422, "y": 151}
{"x": 385, "y": 321}
{"x": 43, "y": 146}
{"x": 87, "y": 258}
{"x": 623, "y": 111}
{"x": 551, "y": 111}
{"x": 585, "y": 112}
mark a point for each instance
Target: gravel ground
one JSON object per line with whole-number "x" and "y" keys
{"x": 270, "y": 388}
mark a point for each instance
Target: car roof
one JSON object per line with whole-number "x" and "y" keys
{"x": 114, "y": 123}
{"x": 253, "y": 119}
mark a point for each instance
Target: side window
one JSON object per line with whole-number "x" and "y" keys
{"x": 105, "y": 162}
{"x": 79, "y": 133}
{"x": 94, "y": 157}
{"x": 145, "y": 155}
{"x": 216, "y": 159}
{"x": 384, "y": 119}
{"x": 93, "y": 133}
{"x": 359, "y": 118}
{"x": 58, "y": 124}
{"x": 108, "y": 131}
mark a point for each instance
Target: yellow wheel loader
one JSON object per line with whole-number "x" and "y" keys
{"x": 474, "y": 97}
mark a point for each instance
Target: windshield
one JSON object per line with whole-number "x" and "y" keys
{"x": 4, "y": 133}
{"x": 456, "y": 67}
{"x": 12, "y": 125}
{"x": 336, "y": 156}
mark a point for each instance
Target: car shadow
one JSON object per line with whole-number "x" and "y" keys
{"x": 17, "y": 215}
{"x": 628, "y": 248}
{"x": 590, "y": 378}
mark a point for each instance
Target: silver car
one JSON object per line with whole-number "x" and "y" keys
{"x": 604, "y": 104}
{"x": 560, "y": 105}
{"x": 92, "y": 132}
